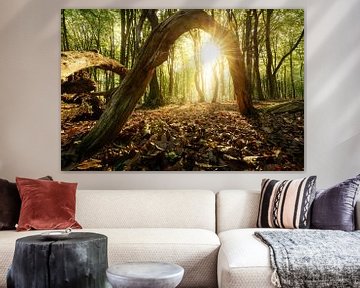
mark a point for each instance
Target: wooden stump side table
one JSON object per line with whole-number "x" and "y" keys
{"x": 78, "y": 261}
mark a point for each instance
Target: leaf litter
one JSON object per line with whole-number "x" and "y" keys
{"x": 198, "y": 137}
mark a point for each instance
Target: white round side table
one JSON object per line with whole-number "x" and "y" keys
{"x": 145, "y": 275}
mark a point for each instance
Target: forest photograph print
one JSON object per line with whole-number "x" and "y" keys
{"x": 182, "y": 90}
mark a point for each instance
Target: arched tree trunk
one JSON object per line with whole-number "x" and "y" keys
{"x": 154, "y": 52}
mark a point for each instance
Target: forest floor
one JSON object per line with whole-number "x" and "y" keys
{"x": 197, "y": 137}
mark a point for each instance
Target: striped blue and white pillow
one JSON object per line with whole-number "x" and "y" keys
{"x": 286, "y": 204}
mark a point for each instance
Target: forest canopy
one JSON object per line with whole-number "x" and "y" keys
{"x": 119, "y": 34}
{"x": 197, "y": 70}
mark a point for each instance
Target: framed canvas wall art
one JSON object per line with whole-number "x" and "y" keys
{"x": 182, "y": 90}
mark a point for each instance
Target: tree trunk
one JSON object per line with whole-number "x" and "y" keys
{"x": 256, "y": 57}
{"x": 138, "y": 30}
{"x": 222, "y": 81}
{"x": 248, "y": 51}
{"x": 112, "y": 55}
{"x": 171, "y": 73}
{"x": 201, "y": 96}
{"x": 123, "y": 37}
{"x": 287, "y": 107}
{"x": 154, "y": 52}
{"x": 301, "y": 72}
{"x": 216, "y": 85}
{"x": 233, "y": 22}
{"x": 292, "y": 77}
{"x": 65, "y": 41}
{"x": 73, "y": 61}
{"x": 269, "y": 74}
{"x": 198, "y": 79}
{"x": 56, "y": 263}
{"x": 155, "y": 96}
{"x": 128, "y": 31}
{"x": 285, "y": 82}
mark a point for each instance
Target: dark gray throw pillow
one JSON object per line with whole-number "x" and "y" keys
{"x": 10, "y": 204}
{"x": 334, "y": 208}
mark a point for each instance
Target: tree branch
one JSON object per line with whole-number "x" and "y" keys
{"x": 287, "y": 54}
{"x": 73, "y": 61}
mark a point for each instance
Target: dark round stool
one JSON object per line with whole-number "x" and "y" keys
{"x": 79, "y": 260}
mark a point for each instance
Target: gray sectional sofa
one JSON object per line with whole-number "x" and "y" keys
{"x": 209, "y": 234}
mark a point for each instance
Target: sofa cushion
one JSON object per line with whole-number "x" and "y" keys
{"x": 153, "y": 209}
{"x": 194, "y": 249}
{"x": 10, "y": 204}
{"x": 286, "y": 204}
{"x": 236, "y": 209}
{"x": 244, "y": 261}
{"x": 46, "y": 204}
{"x": 334, "y": 208}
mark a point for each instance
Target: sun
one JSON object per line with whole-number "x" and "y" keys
{"x": 210, "y": 52}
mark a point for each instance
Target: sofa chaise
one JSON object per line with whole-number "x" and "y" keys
{"x": 210, "y": 235}
{"x": 243, "y": 260}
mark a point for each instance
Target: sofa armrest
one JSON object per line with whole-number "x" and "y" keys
{"x": 357, "y": 215}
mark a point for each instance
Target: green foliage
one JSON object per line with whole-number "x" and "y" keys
{"x": 120, "y": 34}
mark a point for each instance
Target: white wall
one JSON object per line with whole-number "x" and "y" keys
{"x": 30, "y": 94}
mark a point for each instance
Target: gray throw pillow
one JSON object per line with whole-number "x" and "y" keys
{"x": 334, "y": 208}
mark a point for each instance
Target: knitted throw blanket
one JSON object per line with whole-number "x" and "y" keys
{"x": 313, "y": 258}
